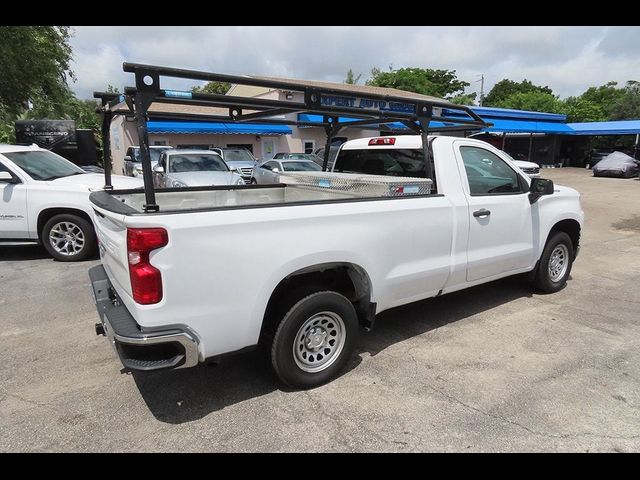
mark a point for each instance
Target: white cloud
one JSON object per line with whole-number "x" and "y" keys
{"x": 568, "y": 59}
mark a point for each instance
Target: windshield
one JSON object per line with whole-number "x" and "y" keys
{"x": 194, "y": 162}
{"x": 300, "y": 167}
{"x": 300, "y": 156}
{"x": 43, "y": 165}
{"x": 240, "y": 155}
{"x": 393, "y": 162}
{"x": 154, "y": 152}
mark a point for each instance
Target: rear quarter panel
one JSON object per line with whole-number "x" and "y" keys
{"x": 220, "y": 268}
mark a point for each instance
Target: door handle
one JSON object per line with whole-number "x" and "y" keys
{"x": 483, "y": 212}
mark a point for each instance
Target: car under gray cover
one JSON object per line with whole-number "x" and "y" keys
{"x": 617, "y": 164}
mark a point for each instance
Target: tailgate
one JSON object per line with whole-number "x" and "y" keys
{"x": 112, "y": 239}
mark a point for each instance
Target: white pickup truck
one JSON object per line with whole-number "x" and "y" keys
{"x": 44, "y": 199}
{"x": 298, "y": 268}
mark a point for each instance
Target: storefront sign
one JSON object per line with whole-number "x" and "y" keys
{"x": 365, "y": 103}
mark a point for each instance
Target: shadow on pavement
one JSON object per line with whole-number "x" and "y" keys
{"x": 186, "y": 395}
{"x": 30, "y": 252}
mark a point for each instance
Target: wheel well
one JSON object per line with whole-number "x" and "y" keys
{"x": 571, "y": 228}
{"x": 48, "y": 213}
{"x": 346, "y": 278}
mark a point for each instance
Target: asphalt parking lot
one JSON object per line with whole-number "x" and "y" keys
{"x": 494, "y": 368}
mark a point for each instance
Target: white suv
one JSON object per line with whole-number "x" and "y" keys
{"x": 44, "y": 199}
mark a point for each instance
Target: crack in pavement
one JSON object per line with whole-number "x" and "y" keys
{"x": 343, "y": 440}
{"x": 528, "y": 429}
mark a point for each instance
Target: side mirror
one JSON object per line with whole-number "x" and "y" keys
{"x": 158, "y": 169}
{"x": 127, "y": 158}
{"x": 6, "y": 177}
{"x": 275, "y": 169}
{"x": 539, "y": 187}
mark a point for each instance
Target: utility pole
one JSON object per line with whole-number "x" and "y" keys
{"x": 481, "y": 89}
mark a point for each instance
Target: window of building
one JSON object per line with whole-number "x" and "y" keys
{"x": 309, "y": 146}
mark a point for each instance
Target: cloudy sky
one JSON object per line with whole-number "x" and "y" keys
{"x": 568, "y": 59}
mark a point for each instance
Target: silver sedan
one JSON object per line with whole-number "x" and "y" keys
{"x": 269, "y": 171}
{"x": 193, "y": 168}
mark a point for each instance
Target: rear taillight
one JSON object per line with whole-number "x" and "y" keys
{"x": 383, "y": 141}
{"x": 146, "y": 280}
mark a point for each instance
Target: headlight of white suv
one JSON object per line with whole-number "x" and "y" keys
{"x": 178, "y": 184}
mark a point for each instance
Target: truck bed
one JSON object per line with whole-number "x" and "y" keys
{"x": 310, "y": 187}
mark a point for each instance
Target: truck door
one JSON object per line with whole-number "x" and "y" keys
{"x": 501, "y": 220}
{"x": 14, "y": 222}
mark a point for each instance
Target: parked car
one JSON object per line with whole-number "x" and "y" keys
{"x": 193, "y": 168}
{"x": 597, "y": 154}
{"x": 617, "y": 165}
{"x": 45, "y": 200}
{"x": 269, "y": 171}
{"x": 133, "y": 163}
{"x": 298, "y": 156}
{"x": 530, "y": 168}
{"x": 167, "y": 291}
{"x": 239, "y": 160}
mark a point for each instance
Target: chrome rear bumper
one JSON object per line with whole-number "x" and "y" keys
{"x": 139, "y": 348}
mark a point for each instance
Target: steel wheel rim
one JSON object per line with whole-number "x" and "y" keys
{"x": 66, "y": 238}
{"x": 558, "y": 262}
{"x": 319, "y": 342}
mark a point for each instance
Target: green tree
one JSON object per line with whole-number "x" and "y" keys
{"x": 579, "y": 109}
{"x": 352, "y": 78}
{"x": 35, "y": 64}
{"x": 534, "y": 101}
{"x": 605, "y": 96}
{"x": 628, "y": 105}
{"x": 506, "y": 88}
{"x": 33, "y": 74}
{"x": 218, "y": 88}
{"x": 427, "y": 81}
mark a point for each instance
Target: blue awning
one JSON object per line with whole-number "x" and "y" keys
{"x": 618, "y": 127}
{"x": 217, "y": 128}
{"x": 523, "y": 126}
{"x": 493, "y": 112}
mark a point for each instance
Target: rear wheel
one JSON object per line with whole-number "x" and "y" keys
{"x": 555, "y": 263}
{"x": 314, "y": 340}
{"x": 69, "y": 238}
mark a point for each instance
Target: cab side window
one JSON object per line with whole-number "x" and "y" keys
{"x": 488, "y": 174}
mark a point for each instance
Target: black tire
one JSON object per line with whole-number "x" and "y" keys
{"x": 90, "y": 243}
{"x": 282, "y": 348}
{"x": 253, "y": 181}
{"x": 543, "y": 280}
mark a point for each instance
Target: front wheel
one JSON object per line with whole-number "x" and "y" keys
{"x": 555, "y": 263}
{"x": 254, "y": 181}
{"x": 314, "y": 340}
{"x": 69, "y": 238}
